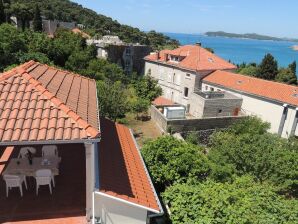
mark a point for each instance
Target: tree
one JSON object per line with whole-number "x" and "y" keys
{"x": 293, "y": 67}
{"x": 249, "y": 70}
{"x": 243, "y": 202}
{"x": 2, "y": 13}
{"x": 112, "y": 100}
{"x": 101, "y": 69}
{"x": 11, "y": 45}
{"x": 23, "y": 12}
{"x": 37, "y": 20}
{"x": 268, "y": 68}
{"x": 286, "y": 75}
{"x": 170, "y": 160}
{"x": 147, "y": 88}
{"x": 140, "y": 105}
{"x": 36, "y": 56}
{"x": 246, "y": 148}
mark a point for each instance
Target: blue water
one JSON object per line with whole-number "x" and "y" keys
{"x": 242, "y": 50}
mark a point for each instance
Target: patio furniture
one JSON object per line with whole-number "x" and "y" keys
{"x": 24, "y": 151}
{"x": 49, "y": 151}
{"x": 43, "y": 177}
{"x": 22, "y": 166}
{"x": 14, "y": 181}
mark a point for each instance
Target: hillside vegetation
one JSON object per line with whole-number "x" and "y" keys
{"x": 244, "y": 175}
{"x": 254, "y": 36}
{"x": 65, "y": 10}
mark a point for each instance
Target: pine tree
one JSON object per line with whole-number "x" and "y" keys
{"x": 2, "y": 13}
{"x": 268, "y": 68}
{"x": 37, "y": 20}
{"x": 293, "y": 67}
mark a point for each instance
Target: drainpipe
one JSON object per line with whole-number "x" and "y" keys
{"x": 283, "y": 119}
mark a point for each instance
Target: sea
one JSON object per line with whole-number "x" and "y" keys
{"x": 242, "y": 50}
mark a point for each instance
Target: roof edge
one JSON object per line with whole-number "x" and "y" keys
{"x": 249, "y": 93}
{"x": 15, "y": 71}
{"x": 127, "y": 202}
{"x": 147, "y": 173}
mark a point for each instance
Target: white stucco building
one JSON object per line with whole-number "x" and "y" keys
{"x": 184, "y": 74}
{"x": 274, "y": 102}
{"x": 179, "y": 72}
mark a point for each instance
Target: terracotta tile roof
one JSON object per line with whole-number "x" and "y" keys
{"x": 122, "y": 172}
{"x": 38, "y": 102}
{"x": 280, "y": 92}
{"x": 161, "y": 101}
{"x": 195, "y": 58}
{"x": 78, "y": 31}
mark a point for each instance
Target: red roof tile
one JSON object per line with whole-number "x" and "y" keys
{"x": 122, "y": 171}
{"x": 195, "y": 58}
{"x": 161, "y": 101}
{"x": 36, "y": 104}
{"x": 280, "y": 92}
{"x": 78, "y": 31}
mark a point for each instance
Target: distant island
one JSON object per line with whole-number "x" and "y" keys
{"x": 248, "y": 36}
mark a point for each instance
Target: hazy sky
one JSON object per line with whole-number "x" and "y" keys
{"x": 272, "y": 17}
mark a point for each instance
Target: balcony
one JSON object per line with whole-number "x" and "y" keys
{"x": 66, "y": 205}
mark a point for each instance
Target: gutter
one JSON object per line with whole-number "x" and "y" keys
{"x": 125, "y": 201}
{"x": 49, "y": 142}
{"x": 161, "y": 212}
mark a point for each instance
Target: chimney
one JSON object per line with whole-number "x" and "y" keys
{"x": 166, "y": 57}
{"x": 199, "y": 44}
{"x": 156, "y": 55}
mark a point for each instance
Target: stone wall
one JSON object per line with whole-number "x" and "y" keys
{"x": 158, "y": 118}
{"x": 185, "y": 125}
{"x": 201, "y": 124}
{"x": 116, "y": 54}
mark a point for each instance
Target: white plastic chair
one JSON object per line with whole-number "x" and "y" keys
{"x": 49, "y": 151}
{"x": 43, "y": 177}
{"x": 14, "y": 181}
{"x": 24, "y": 151}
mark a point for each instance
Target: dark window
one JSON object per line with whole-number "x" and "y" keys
{"x": 220, "y": 111}
{"x": 128, "y": 51}
{"x": 211, "y": 89}
{"x": 185, "y": 91}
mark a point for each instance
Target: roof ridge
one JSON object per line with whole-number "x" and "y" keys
{"x": 38, "y": 85}
{"x": 255, "y": 78}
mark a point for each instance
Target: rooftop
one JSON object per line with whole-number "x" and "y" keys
{"x": 275, "y": 91}
{"x": 42, "y": 103}
{"x": 118, "y": 152}
{"x": 162, "y": 101}
{"x": 193, "y": 57}
{"x": 82, "y": 33}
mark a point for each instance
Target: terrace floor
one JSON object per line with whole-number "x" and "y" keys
{"x": 66, "y": 205}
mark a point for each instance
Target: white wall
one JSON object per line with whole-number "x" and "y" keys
{"x": 173, "y": 88}
{"x": 90, "y": 180}
{"x": 266, "y": 110}
{"x": 112, "y": 211}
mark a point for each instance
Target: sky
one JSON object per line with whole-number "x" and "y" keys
{"x": 271, "y": 17}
